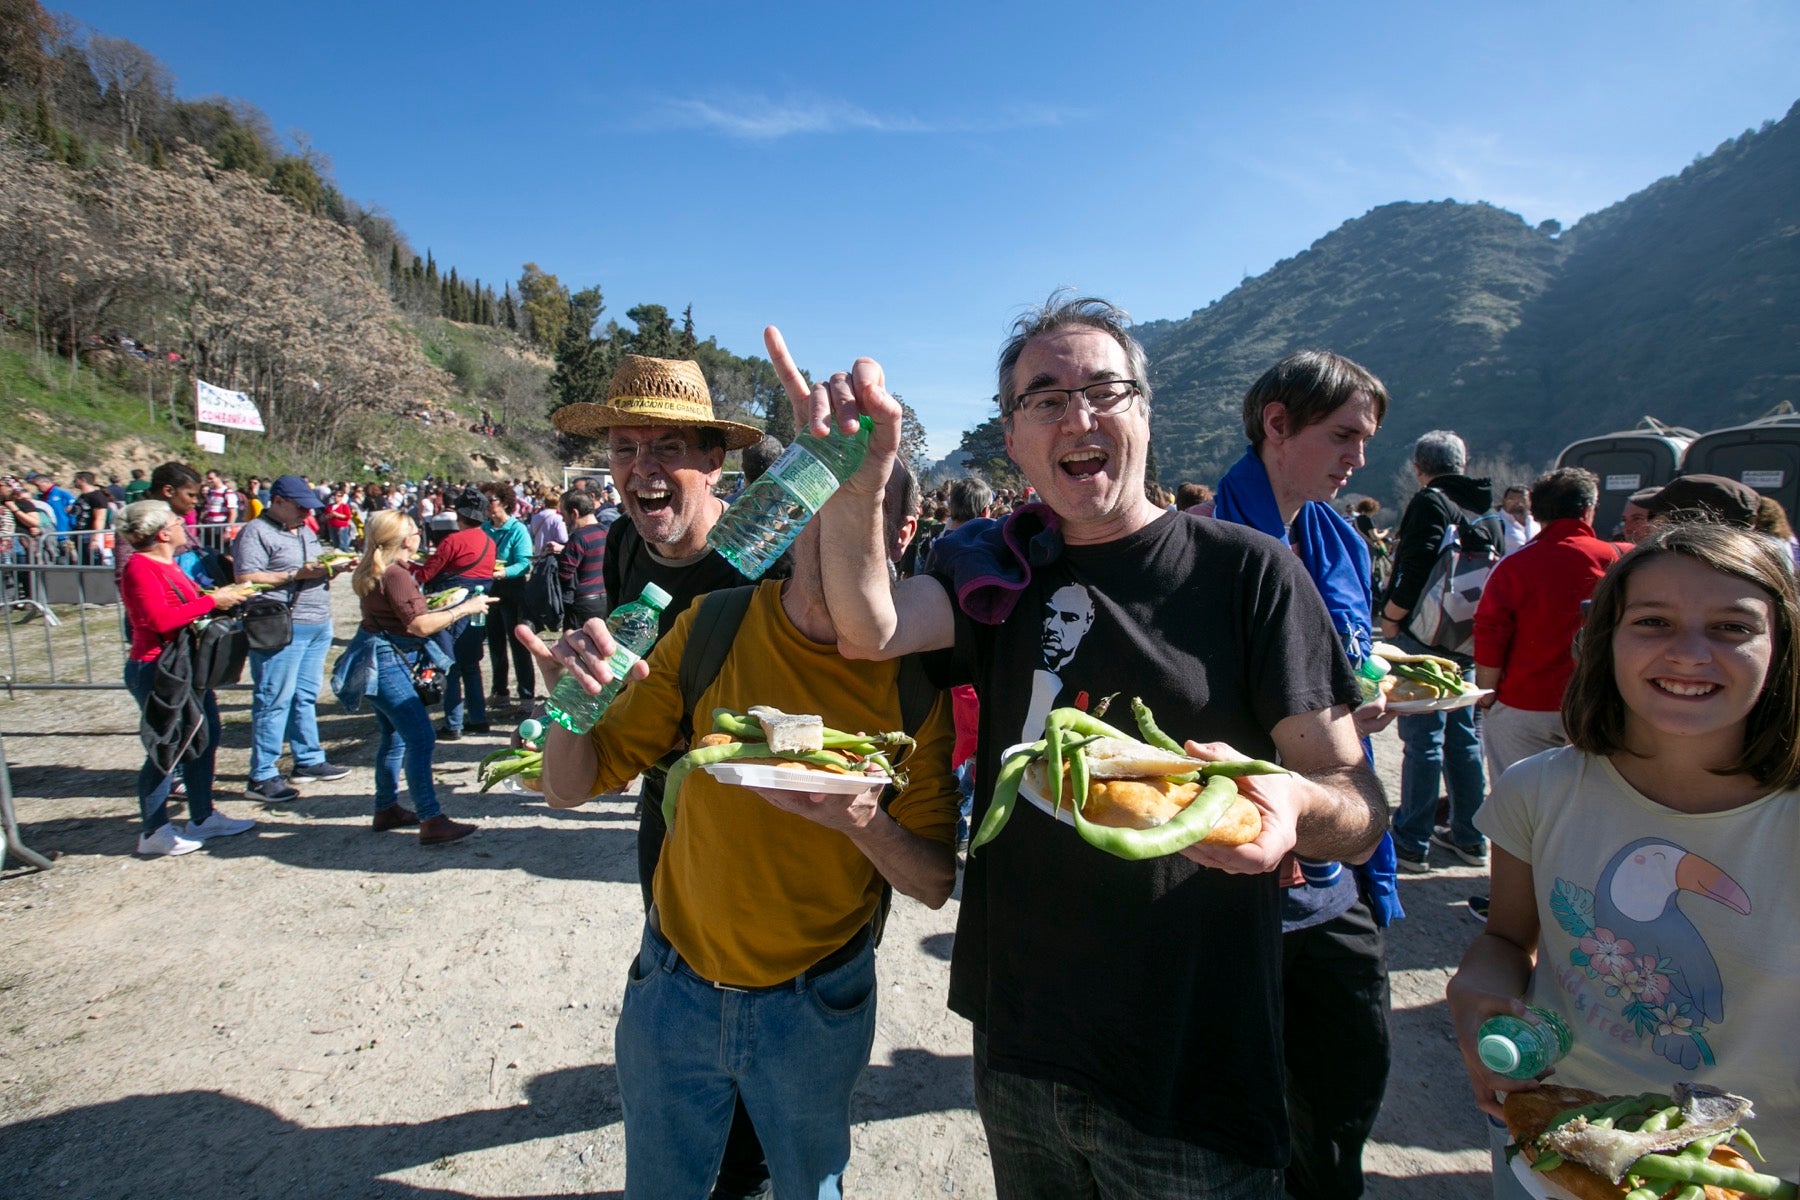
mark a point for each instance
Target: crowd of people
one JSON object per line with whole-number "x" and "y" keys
{"x": 1631, "y": 739}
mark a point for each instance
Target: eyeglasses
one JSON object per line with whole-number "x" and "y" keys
{"x": 667, "y": 452}
{"x": 1047, "y": 406}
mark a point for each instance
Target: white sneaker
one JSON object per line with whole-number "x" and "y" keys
{"x": 165, "y": 841}
{"x": 217, "y": 825}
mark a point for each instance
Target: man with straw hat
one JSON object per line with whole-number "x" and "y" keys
{"x": 666, "y": 450}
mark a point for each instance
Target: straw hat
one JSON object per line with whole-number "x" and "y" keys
{"x": 653, "y": 391}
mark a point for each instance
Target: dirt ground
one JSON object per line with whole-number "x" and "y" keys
{"x": 316, "y": 1009}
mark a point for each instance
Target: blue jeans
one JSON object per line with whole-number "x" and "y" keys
{"x": 1050, "y": 1141}
{"x": 407, "y": 738}
{"x": 153, "y": 785}
{"x": 466, "y": 648}
{"x": 284, "y": 701}
{"x": 1439, "y": 747}
{"x": 687, "y": 1050}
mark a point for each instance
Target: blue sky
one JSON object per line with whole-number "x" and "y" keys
{"x": 901, "y": 180}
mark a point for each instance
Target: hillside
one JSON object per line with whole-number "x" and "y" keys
{"x": 1682, "y": 301}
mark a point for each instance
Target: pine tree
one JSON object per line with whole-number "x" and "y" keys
{"x": 42, "y": 127}
{"x": 688, "y": 340}
{"x": 394, "y": 269}
{"x": 431, "y": 275}
{"x": 509, "y": 315}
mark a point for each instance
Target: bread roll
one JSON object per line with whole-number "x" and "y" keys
{"x": 1146, "y": 803}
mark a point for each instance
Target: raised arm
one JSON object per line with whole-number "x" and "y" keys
{"x": 874, "y": 619}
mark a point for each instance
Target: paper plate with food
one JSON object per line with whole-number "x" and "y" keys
{"x": 764, "y": 747}
{"x": 332, "y": 559}
{"x": 448, "y": 598}
{"x": 1417, "y": 683}
{"x": 1688, "y": 1144}
{"x": 1132, "y": 798}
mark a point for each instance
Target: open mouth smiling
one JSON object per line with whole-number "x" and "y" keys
{"x": 653, "y": 501}
{"x": 1084, "y": 462}
{"x": 1685, "y": 688}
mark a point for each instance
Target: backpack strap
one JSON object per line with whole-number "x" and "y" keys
{"x": 709, "y": 641}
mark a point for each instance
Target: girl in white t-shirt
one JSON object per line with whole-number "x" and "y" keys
{"x": 1644, "y": 883}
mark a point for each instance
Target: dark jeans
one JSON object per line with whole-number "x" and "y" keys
{"x": 743, "y": 1172}
{"x": 464, "y": 701}
{"x": 1050, "y": 1141}
{"x": 505, "y": 614}
{"x": 153, "y": 785}
{"x": 1335, "y": 989}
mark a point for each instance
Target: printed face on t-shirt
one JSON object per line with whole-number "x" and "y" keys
{"x": 1067, "y": 617}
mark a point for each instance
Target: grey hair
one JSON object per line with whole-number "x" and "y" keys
{"x": 140, "y": 521}
{"x": 1440, "y": 452}
{"x": 1060, "y": 311}
{"x": 969, "y": 497}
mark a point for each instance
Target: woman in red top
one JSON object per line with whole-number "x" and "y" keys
{"x": 340, "y": 519}
{"x": 161, "y": 601}
{"x": 464, "y": 559}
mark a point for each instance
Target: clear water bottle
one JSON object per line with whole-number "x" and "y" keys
{"x": 634, "y": 629}
{"x": 763, "y": 522}
{"x": 478, "y": 620}
{"x": 1514, "y": 1047}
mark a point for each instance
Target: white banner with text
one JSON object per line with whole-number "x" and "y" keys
{"x": 233, "y": 410}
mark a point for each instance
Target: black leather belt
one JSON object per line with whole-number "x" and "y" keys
{"x": 842, "y": 956}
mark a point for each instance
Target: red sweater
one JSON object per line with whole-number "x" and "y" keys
{"x": 159, "y": 599}
{"x": 1531, "y": 610}
{"x": 467, "y": 553}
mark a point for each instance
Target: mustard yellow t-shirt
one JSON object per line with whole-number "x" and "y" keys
{"x": 751, "y": 895}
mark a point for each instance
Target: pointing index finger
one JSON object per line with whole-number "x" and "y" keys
{"x": 808, "y": 414}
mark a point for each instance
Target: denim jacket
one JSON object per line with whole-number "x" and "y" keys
{"x": 354, "y": 676}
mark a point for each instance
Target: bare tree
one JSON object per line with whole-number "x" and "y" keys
{"x": 134, "y": 79}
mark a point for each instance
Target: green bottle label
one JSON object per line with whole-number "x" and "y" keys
{"x": 804, "y": 477}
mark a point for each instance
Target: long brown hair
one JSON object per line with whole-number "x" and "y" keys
{"x": 1593, "y": 711}
{"x": 382, "y": 534}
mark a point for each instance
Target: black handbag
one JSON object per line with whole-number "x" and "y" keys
{"x": 427, "y": 680}
{"x": 268, "y": 623}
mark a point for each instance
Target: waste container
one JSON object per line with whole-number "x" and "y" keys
{"x": 1765, "y": 455}
{"x": 1648, "y": 456}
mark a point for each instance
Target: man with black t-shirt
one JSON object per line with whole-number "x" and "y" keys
{"x": 91, "y": 513}
{"x": 1127, "y": 1014}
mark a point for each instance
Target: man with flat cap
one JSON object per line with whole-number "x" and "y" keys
{"x": 666, "y": 448}
{"x": 1704, "y": 497}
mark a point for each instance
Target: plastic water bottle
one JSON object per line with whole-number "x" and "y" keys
{"x": 1514, "y": 1047}
{"x": 478, "y": 620}
{"x": 763, "y": 522}
{"x": 634, "y": 630}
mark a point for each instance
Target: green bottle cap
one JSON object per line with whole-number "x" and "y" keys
{"x": 653, "y": 596}
{"x": 1498, "y": 1054}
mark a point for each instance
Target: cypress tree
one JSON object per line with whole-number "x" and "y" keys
{"x": 431, "y": 275}
{"x": 394, "y": 269}
{"x": 42, "y": 127}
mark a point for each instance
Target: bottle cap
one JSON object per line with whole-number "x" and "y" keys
{"x": 1498, "y": 1054}
{"x": 653, "y": 596}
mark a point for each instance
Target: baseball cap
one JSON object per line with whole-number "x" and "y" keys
{"x": 1724, "y": 499}
{"x": 292, "y": 487}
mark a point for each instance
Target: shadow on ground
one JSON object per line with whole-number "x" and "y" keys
{"x": 205, "y": 1144}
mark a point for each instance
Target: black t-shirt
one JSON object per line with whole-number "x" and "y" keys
{"x": 82, "y": 511}
{"x": 1155, "y": 986}
{"x": 630, "y": 565}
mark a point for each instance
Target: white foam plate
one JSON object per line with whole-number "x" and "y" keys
{"x": 791, "y": 779}
{"x": 1032, "y": 794}
{"x": 1535, "y": 1183}
{"x": 1441, "y": 704}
